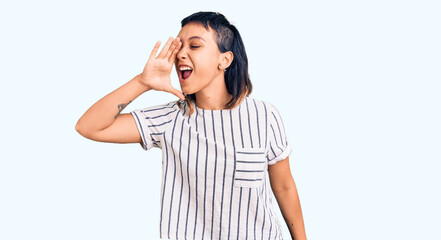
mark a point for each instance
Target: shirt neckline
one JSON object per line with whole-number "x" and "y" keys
{"x": 218, "y": 110}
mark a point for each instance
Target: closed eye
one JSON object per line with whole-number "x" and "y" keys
{"x": 194, "y": 46}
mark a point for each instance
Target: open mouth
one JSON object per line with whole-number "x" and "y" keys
{"x": 185, "y": 72}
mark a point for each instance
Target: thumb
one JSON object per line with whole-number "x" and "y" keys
{"x": 177, "y": 93}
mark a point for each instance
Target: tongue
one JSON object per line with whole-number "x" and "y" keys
{"x": 186, "y": 74}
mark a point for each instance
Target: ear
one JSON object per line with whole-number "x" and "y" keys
{"x": 226, "y": 60}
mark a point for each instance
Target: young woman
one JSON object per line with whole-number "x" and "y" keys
{"x": 219, "y": 145}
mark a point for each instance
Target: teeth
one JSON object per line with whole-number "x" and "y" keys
{"x": 185, "y": 68}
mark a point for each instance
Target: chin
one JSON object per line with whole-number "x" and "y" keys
{"x": 187, "y": 90}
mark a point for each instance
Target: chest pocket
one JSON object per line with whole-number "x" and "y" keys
{"x": 250, "y": 167}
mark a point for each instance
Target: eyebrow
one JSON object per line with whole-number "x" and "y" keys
{"x": 196, "y": 37}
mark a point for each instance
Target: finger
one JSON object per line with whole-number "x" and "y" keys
{"x": 178, "y": 93}
{"x": 175, "y": 51}
{"x": 155, "y": 49}
{"x": 173, "y": 46}
{"x": 165, "y": 48}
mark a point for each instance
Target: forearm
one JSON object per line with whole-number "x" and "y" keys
{"x": 102, "y": 114}
{"x": 290, "y": 208}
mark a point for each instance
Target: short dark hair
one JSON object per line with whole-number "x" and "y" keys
{"x": 237, "y": 79}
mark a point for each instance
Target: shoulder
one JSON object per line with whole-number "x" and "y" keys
{"x": 158, "y": 112}
{"x": 270, "y": 110}
{"x": 261, "y": 104}
{"x": 161, "y": 107}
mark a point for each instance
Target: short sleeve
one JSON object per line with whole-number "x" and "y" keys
{"x": 152, "y": 122}
{"x": 279, "y": 147}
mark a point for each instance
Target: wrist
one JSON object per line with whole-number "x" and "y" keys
{"x": 139, "y": 84}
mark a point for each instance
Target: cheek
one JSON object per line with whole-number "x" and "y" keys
{"x": 207, "y": 66}
{"x": 208, "y": 59}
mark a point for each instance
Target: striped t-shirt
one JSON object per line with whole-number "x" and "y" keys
{"x": 214, "y": 168}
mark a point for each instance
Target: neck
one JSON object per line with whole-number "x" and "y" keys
{"x": 214, "y": 96}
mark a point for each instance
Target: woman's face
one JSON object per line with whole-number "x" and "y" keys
{"x": 199, "y": 51}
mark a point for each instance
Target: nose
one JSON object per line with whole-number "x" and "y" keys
{"x": 181, "y": 54}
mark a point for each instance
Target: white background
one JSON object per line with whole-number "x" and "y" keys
{"x": 356, "y": 82}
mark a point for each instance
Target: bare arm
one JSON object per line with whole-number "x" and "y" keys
{"x": 104, "y": 122}
{"x": 104, "y": 112}
{"x": 285, "y": 191}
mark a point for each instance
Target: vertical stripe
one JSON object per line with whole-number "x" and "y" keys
{"x": 234, "y": 170}
{"x": 238, "y": 214}
{"x": 283, "y": 127}
{"x": 272, "y": 150}
{"x": 257, "y": 212}
{"x": 164, "y": 181}
{"x": 264, "y": 217}
{"x": 196, "y": 172}
{"x": 257, "y": 118}
{"x": 188, "y": 175}
{"x": 249, "y": 122}
{"x": 270, "y": 216}
{"x": 275, "y": 138}
{"x": 206, "y": 162}
{"x": 182, "y": 180}
{"x": 248, "y": 211}
{"x": 214, "y": 178}
{"x": 280, "y": 132}
{"x": 225, "y": 169}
